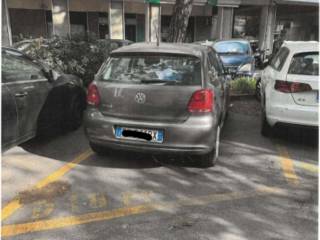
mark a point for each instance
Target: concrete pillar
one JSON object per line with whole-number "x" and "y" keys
{"x": 116, "y": 19}
{"x": 153, "y": 22}
{"x": 214, "y": 25}
{"x": 224, "y": 23}
{"x": 6, "y": 27}
{"x": 61, "y": 18}
{"x": 147, "y": 22}
{"x": 267, "y": 27}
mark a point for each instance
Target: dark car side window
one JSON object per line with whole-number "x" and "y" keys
{"x": 15, "y": 69}
{"x": 279, "y": 59}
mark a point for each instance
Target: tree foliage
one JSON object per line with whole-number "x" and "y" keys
{"x": 81, "y": 56}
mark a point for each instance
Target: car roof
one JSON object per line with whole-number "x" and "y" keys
{"x": 170, "y": 48}
{"x": 13, "y": 50}
{"x": 301, "y": 46}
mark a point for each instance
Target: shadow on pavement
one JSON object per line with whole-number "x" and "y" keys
{"x": 297, "y": 135}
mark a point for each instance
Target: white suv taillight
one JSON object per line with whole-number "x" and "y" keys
{"x": 291, "y": 87}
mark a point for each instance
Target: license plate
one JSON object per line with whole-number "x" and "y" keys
{"x": 147, "y": 135}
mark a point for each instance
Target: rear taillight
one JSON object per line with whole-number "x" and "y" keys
{"x": 291, "y": 87}
{"x": 201, "y": 101}
{"x": 93, "y": 97}
{"x": 300, "y": 87}
{"x": 282, "y": 86}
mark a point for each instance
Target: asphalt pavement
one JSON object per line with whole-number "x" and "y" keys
{"x": 261, "y": 188}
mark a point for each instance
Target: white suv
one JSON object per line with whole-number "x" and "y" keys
{"x": 290, "y": 86}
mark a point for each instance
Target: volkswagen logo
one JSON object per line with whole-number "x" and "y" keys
{"x": 140, "y": 98}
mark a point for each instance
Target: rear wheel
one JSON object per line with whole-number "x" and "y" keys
{"x": 74, "y": 113}
{"x": 98, "y": 149}
{"x": 210, "y": 159}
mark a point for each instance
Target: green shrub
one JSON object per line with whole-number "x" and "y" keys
{"x": 243, "y": 85}
{"x": 81, "y": 56}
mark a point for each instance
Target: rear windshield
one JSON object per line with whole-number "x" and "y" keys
{"x": 229, "y": 47}
{"x": 153, "y": 69}
{"x": 305, "y": 64}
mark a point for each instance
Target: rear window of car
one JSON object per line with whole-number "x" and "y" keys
{"x": 153, "y": 69}
{"x": 232, "y": 47}
{"x": 305, "y": 64}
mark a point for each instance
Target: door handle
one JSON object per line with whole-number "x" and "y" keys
{"x": 21, "y": 94}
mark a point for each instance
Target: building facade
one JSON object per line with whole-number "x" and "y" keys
{"x": 139, "y": 20}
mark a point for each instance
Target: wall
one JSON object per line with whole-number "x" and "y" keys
{"x": 30, "y": 4}
{"x": 88, "y": 5}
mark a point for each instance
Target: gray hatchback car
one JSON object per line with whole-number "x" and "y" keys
{"x": 170, "y": 98}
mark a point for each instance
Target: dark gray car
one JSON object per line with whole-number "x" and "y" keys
{"x": 36, "y": 99}
{"x": 170, "y": 98}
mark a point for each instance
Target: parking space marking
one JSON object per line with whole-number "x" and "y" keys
{"x": 307, "y": 166}
{"x": 287, "y": 166}
{"x": 129, "y": 197}
{"x": 97, "y": 200}
{"x": 61, "y": 222}
{"x": 42, "y": 209}
{"x": 14, "y": 204}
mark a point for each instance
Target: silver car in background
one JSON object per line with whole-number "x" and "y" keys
{"x": 170, "y": 98}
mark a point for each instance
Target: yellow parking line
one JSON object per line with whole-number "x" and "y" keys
{"x": 61, "y": 222}
{"x": 14, "y": 204}
{"x": 287, "y": 166}
{"x": 307, "y": 166}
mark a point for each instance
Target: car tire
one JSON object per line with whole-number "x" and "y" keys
{"x": 74, "y": 113}
{"x": 210, "y": 159}
{"x": 266, "y": 129}
{"x": 98, "y": 149}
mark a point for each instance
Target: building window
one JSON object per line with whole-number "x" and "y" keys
{"x": 78, "y": 23}
{"x": 165, "y": 25}
{"x": 131, "y": 27}
{"x": 49, "y": 24}
{"x": 103, "y": 25}
{"x": 27, "y": 23}
{"x": 246, "y": 22}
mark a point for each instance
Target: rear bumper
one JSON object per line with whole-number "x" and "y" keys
{"x": 160, "y": 149}
{"x": 195, "y": 135}
{"x": 292, "y": 114}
